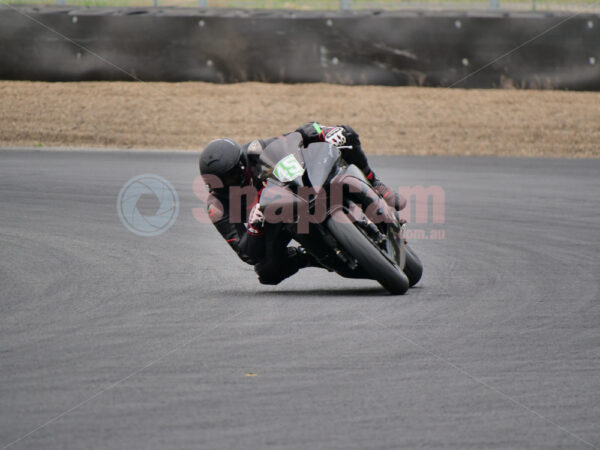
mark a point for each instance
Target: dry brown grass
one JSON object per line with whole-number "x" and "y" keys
{"x": 390, "y": 120}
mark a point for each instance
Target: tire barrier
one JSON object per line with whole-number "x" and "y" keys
{"x": 491, "y": 49}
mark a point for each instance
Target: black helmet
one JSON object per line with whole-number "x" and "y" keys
{"x": 225, "y": 159}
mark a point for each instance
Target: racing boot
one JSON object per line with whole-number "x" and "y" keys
{"x": 305, "y": 259}
{"x": 393, "y": 199}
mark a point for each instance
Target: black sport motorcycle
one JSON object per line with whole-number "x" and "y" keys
{"x": 331, "y": 209}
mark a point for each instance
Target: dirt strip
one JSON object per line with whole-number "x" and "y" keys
{"x": 390, "y": 120}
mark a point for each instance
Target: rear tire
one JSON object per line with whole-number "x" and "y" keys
{"x": 369, "y": 256}
{"x": 413, "y": 267}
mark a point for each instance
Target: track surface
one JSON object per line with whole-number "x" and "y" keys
{"x": 116, "y": 341}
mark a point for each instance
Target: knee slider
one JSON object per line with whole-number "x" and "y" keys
{"x": 268, "y": 273}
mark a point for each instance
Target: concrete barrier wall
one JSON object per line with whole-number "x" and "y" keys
{"x": 386, "y": 48}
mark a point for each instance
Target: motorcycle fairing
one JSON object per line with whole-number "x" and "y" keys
{"x": 319, "y": 159}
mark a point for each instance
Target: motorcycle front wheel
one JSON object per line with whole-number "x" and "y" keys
{"x": 414, "y": 267}
{"x": 369, "y": 255}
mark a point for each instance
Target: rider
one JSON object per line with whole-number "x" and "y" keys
{"x": 237, "y": 166}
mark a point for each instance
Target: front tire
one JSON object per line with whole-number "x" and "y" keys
{"x": 413, "y": 267}
{"x": 369, "y": 256}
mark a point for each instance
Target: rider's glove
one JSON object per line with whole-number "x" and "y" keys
{"x": 256, "y": 220}
{"x": 334, "y": 135}
{"x": 339, "y": 135}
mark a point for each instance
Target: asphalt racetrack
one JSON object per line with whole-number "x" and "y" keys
{"x": 110, "y": 340}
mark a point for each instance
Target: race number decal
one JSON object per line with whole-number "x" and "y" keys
{"x": 288, "y": 169}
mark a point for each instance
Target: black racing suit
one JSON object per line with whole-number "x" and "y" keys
{"x": 268, "y": 251}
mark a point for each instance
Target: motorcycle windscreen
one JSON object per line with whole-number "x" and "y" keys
{"x": 282, "y": 158}
{"x": 319, "y": 160}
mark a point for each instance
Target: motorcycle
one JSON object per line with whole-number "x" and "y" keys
{"x": 330, "y": 208}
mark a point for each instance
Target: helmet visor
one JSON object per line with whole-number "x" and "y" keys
{"x": 235, "y": 177}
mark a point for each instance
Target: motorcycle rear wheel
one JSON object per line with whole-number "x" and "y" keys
{"x": 369, "y": 256}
